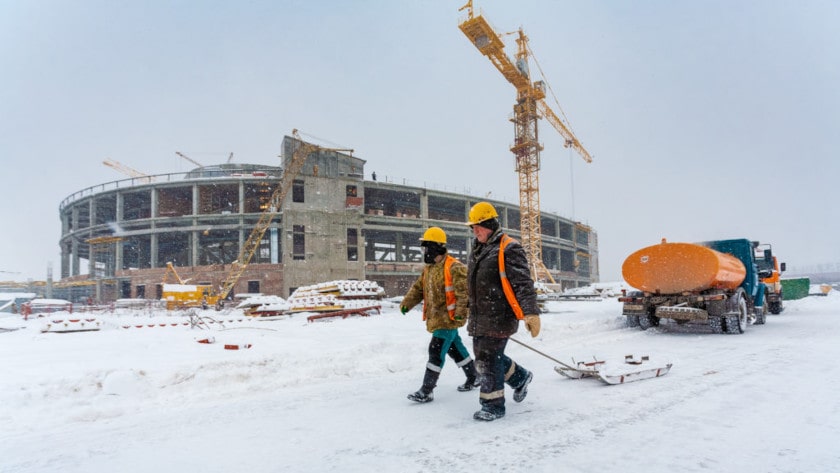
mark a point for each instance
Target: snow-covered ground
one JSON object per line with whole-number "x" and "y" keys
{"x": 331, "y": 396}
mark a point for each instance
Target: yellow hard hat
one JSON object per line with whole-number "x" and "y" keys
{"x": 482, "y": 211}
{"x": 435, "y": 234}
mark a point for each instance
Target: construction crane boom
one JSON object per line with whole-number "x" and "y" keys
{"x": 571, "y": 141}
{"x": 189, "y": 159}
{"x": 250, "y": 247}
{"x": 530, "y": 106}
{"x": 125, "y": 169}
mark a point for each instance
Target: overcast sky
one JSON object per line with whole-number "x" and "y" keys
{"x": 706, "y": 120}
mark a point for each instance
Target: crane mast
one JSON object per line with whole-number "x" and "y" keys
{"x": 529, "y": 108}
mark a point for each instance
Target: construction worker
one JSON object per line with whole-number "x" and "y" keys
{"x": 443, "y": 290}
{"x": 501, "y": 293}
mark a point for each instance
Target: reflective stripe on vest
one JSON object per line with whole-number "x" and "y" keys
{"x": 448, "y": 288}
{"x": 509, "y": 294}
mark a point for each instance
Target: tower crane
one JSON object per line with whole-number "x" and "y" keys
{"x": 530, "y": 106}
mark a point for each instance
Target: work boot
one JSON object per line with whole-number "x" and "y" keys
{"x": 522, "y": 391}
{"x": 472, "y": 377}
{"x": 424, "y": 394}
{"x": 471, "y": 384}
{"x": 488, "y": 415}
{"x": 421, "y": 396}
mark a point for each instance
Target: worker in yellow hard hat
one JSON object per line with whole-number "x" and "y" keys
{"x": 501, "y": 293}
{"x": 442, "y": 287}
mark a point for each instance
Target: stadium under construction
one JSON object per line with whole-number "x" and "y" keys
{"x": 333, "y": 224}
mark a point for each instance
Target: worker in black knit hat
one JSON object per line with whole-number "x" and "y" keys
{"x": 443, "y": 290}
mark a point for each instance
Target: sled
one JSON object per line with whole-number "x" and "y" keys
{"x": 610, "y": 372}
{"x": 633, "y": 369}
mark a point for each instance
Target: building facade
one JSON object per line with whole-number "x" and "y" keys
{"x": 334, "y": 224}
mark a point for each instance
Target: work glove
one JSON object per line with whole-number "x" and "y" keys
{"x": 403, "y": 309}
{"x": 532, "y": 324}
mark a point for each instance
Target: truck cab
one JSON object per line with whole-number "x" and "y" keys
{"x": 770, "y": 271}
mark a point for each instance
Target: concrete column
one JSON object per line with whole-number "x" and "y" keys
{"x": 118, "y": 246}
{"x": 424, "y": 206}
{"x": 91, "y": 223}
{"x": 65, "y": 261}
{"x": 194, "y": 242}
{"x": 74, "y": 245}
{"x": 153, "y": 243}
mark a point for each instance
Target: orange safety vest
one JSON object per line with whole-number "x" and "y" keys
{"x": 509, "y": 294}
{"x": 448, "y": 288}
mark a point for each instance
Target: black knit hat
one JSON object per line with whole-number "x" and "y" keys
{"x": 490, "y": 223}
{"x": 434, "y": 246}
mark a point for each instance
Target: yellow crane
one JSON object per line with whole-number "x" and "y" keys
{"x": 275, "y": 203}
{"x": 126, "y": 170}
{"x": 530, "y": 106}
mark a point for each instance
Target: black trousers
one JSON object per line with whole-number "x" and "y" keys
{"x": 496, "y": 369}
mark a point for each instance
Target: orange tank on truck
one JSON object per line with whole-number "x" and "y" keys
{"x": 673, "y": 268}
{"x": 716, "y": 283}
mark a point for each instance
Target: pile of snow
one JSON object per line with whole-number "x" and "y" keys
{"x": 299, "y": 396}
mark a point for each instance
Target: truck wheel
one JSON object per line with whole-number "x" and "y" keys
{"x": 647, "y": 321}
{"x": 632, "y": 320}
{"x": 737, "y": 322}
{"x": 761, "y": 314}
{"x": 716, "y": 323}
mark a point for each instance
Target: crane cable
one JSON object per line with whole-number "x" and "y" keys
{"x": 548, "y": 85}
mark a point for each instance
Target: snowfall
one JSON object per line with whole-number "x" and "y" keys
{"x": 143, "y": 394}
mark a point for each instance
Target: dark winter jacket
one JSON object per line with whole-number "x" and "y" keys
{"x": 490, "y": 313}
{"x": 429, "y": 287}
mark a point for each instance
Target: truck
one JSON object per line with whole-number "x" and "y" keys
{"x": 767, "y": 262}
{"x": 184, "y": 296}
{"x": 718, "y": 283}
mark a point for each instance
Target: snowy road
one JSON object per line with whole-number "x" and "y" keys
{"x": 331, "y": 396}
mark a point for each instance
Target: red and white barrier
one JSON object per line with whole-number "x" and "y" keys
{"x": 71, "y": 325}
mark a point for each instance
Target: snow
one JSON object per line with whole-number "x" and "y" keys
{"x": 331, "y": 396}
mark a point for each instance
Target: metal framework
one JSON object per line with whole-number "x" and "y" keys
{"x": 251, "y": 245}
{"x": 290, "y": 172}
{"x": 530, "y": 106}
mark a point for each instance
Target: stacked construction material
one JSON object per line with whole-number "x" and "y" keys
{"x": 336, "y": 296}
{"x": 264, "y": 306}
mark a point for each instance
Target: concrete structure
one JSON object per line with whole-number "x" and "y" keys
{"x": 117, "y": 237}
